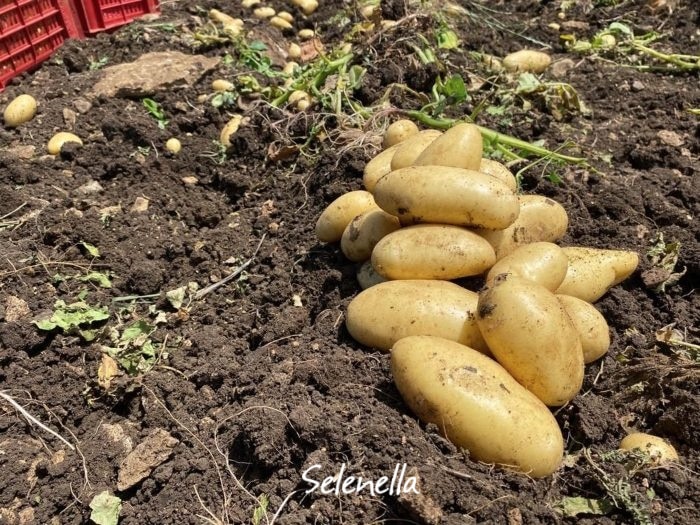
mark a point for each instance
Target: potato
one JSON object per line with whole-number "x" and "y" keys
{"x": 432, "y": 251}
{"x": 336, "y": 217}
{"x": 498, "y": 170}
{"x": 527, "y": 60}
{"x": 364, "y": 232}
{"x": 530, "y": 334}
{"x": 280, "y": 23}
{"x": 306, "y": 34}
{"x": 592, "y": 272}
{"x": 367, "y": 276}
{"x": 230, "y": 129}
{"x": 377, "y": 167}
{"x": 387, "y": 312}
{"x": 411, "y": 148}
{"x": 294, "y": 51}
{"x": 220, "y": 85}
{"x": 173, "y": 145}
{"x": 591, "y": 326}
{"x": 476, "y": 404}
{"x": 460, "y": 146}
{"x": 658, "y": 449}
{"x": 20, "y": 110}
{"x": 59, "y": 139}
{"x": 286, "y": 15}
{"x": 541, "y": 262}
{"x": 307, "y": 6}
{"x": 249, "y": 3}
{"x": 398, "y": 132}
{"x": 264, "y": 12}
{"x": 446, "y": 195}
{"x": 540, "y": 219}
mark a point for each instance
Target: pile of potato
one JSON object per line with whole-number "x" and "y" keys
{"x": 483, "y": 366}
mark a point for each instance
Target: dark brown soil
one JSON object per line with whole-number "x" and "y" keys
{"x": 257, "y": 388}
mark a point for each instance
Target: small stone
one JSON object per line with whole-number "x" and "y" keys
{"x": 70, "y": 117}
{"x": 24, "y": 152}
{"x": 273, "y": 227}
{"x": 140, "y": 206}
{"x": 574, "y": 25}
{"x": 89, "y": 188}
{"x": 67, "y": 173}
{"x": 561, "y": 67}
{"x": 82, "y": 105}
{"x": 74, "y": 213}
{"x": 638, "y": 85}
{"x": 15, "y": 309}
{"x": 140, "y": 158}
{"x": 670, "y": 138}
{"x": 189, "y": 180}
{"x": 110, "y": 211}
{"x": 147, "y": 455}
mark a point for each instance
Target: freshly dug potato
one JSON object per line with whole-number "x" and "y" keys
{"x": 398, "y": 132}
{"x": 387, "y": 312}
{"x": 20, "y": 110}
{"x": 460, "y": 146}
{"x": 530, "y": 334}
{"x": 446, "y": 195}
{"x": 658, "y": 449}
{"x": 527, "y": 60}
{"x": 59, "y": 139}
{"x": 377, "y": 167}
{"x": 591, "y": 326}
{"x": 367, "y": 276}
{"x": 411, "y": 148}
{"x": 592, "y": 272}
{"x": 541, "y": 262}
{"x": 264, "y": 12}
{"x": 307, "y": 6}
{"x": 173, "y": 145}
{"x": 364, "y": 232}
{"x": 339, "y": 213}
{"x": 476, "y": 404}
{"x": 219, "y": 85}
{"x": 280, "y": 23}
{"x": 432, "y": 251}
{"x": 498, "y": 170}
{"x": 230, "y": 129}
{"x": 540, "y": 219}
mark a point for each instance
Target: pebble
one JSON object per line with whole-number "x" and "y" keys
{"x": 90, "y": 187}
{"x": 638, "y": 85}
{"x": 140, "y": 205}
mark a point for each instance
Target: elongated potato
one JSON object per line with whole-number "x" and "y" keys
{"x": 364, "y": 232}
{"x": 446, "y": 195}
{"x": 541, "y": 262}
{"x": 387, "y": 312}
{"x": 379, "y": 166}
{"x": 476, "y": 404}
{"x": 432, "y": 251}
{"x": 230, "y": 129}
{"x": 592, "y": 272}
{"x": 540, "y": 219}
{"x": 461, "y": 146}
{"x": 530, "y": 334}
{"x": 659, "y": 450}
{"x": 591, "y": 326}
{"x": 339, "y": 213}
{"x": 527, "y": 60}
{"x": 498, "y": 170}
{"x": 411, "y": 148}
{"x": 20, "y": 110}
{"x": 399, "y": 131}
{"x": 367, "y": 276}
{"x": 59, "y": 139}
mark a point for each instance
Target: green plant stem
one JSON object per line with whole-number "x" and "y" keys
{"x": 676, "y": 60}
{"x": 331, "y": 66}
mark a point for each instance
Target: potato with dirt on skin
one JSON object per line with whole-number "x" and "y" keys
{"x": 364, "y": 232}
{"x": 591, "y": 326}
{"x": 446, "y": 195}
{"x": 592, "y": 272}
{"x": 476, "y": 404}
{"x": 658, "y": 449}
{"x": 20, "y": 110}
{"x": 377, "y": 167}
{"x": 541, "y": 262}
{"x": 498, "y": 170}
{"x": 411, "y": 148}
{"x": 367, "y": 276}
{"x": 399, "y": 131}
{"x": 339, "y": 213}
{"x": 381, "y": 315}
{"x": 59, "y": 139}
{"x": 527, "y": 60}
{"x": 530, "y": 334}
{"x": 432, "y": 251}
{"x": 461, "y": 146}
{"x": 230, "y": 129}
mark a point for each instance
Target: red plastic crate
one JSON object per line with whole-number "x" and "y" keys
{"x": 30, "y": 31}
{"x": 101, "y": 15}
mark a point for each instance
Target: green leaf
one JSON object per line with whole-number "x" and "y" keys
{"x": 620, "y": 28}
{"x": 136, "y": 330}
{"x": 46, "y": 324}
{"x": 99, "y": 278}
{"x": 447, "y": 39}
{"x": 455, "y": 89}
{"x": 257, "y": 45}
{"x": 176, "y": 297}
{"x": 261, "y": 510}
{"x": 92, "y": 250}
{"x": 527, "y": 83}
{"x": 73, "y": 316}
{"x": 105, "y": 509}
{"x": 576, "y": 505}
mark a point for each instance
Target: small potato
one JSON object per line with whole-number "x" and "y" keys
{"x": 280, "y": 23}
{"x": 306, "y": 34}
{"x": 294, "y": 51}
{"x": 249, "y": 3}
{"x": 460, "y": 146}
{"x": 264, "y": 12}
{"x": 59, "y": 139}
{"x": 591, "y": 326}
{"x": 377, "y": 167}
{"x": 476, "y": 404}
{"x": 387, "y": 312}
{"x": 286, "y": 15}
{"x": 398, "y": 132}
{"x": 20, "y": 110}
{"x": 220, "y": 85}
{"x": 364, "y": 232}
{"x": 543, "y": 263}
{"x": 230, "y": 129}
{"x": 540, "y": 219}
{"x": 530, "y": 334}
{"x": 592, "y": 272}
{"x": 659, "y": 450}
{"x": 411, "y": 148}
{"x": 446, "y": 195}
{"x": 432, "y": 251}
{"x": 367, "y": 276}
{"x": 173, "y": 145}
{"x": 339, "y": 213}
{"x": 527, "y": 60}
{"x": 498, "y": 170}
{"x": 306, "y": 6}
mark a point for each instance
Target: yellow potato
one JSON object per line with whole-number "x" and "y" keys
{"x": 20, "y": 110}
{"x": 540, "y": 219}
{"x": 658, "y": 449}
{"x": 592, "y": 271}
{"x": 307, "y": 6}
{"x": 264, "y": 12}
{"x": 173, "y": 145}
{"x": 476, "y": 404}
{"x": 59, "y": 139}
{"x": 446, "y": 195}
{"x": 591, "y": 326}
{"x": 541, "y": 262}
{"x": 387, "y": 312}
{"x": 432, "y": 251}
{"x": 367, "y": 276}
{"x": 280, "y": 23}
{"x": 498, "y": 170}
{"x": 527, "y": 60}
{"x": 220, "y": 85}
{"x": 460, "y": 146}
{"x": 398, "y": 132}
{"x": 411, "y": 148}
{"x": 364, "y": 232}
{"x": 285, "y": 15}
{"x": 339, "y": 213}
{"x": 377, "y": 167}
{"x": 230, "y": 129}
{"x": 530, "y": 334}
